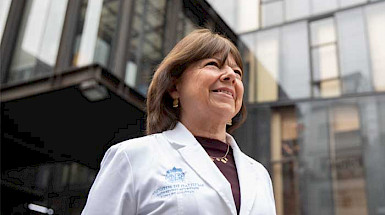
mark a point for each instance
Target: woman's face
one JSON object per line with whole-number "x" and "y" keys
{"x": 209, "y": 90}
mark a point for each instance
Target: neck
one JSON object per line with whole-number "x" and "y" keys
{"x": 206, "y": 128}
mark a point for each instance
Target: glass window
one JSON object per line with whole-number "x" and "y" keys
{"x": 185, "y": 26}
{"x": 96, "y": 31}
{"x": 353, "y": 52}
{"x": 375, "y": 18}
{"x": 347, "y": 160}
{"x": 294, "y": 77}
{"x": 296, "y": 9}
{"x": 267, "y": 65}
{"x": 325, "y": 62}
{"x": 314, "y": 158}
{"x": 80, "y": 177}
{"x": 278, "y": 56}
{"x": 322, "y": 31}
{"x": 240, "y": 15}
{"x": 4, "y": 9}
{"x": 248, "y": 15}
{"x": 372, "y": 111}
{"x": 326, "y": 156}
{"x": 322, "y": 6}
{"x": 226, "y": 10}
{"x": 38, "y": 40}
{"x": 326, "y": 82}
{"x": 146, "y": 50}
{"x": 284, "y": 154}
{"x": 249, "y": 62}
{"x": 272, "y": 13}
{"x": 337, "y": 126}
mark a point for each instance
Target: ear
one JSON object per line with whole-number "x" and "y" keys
{"x": 173, "y": 92}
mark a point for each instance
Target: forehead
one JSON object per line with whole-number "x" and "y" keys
{"x": 229, "y": 60}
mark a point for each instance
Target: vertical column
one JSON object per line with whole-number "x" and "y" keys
{"x": 276, "y": 155}
{"x": 127, "y": 16}
{"x": 67, "y": 41}
{"x": 170, "y": 34}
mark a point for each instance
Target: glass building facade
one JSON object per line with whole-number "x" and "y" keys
{"x": 315, "y": 94}
{"x": 55, "y": 43}
{"x": 314, "y": 89}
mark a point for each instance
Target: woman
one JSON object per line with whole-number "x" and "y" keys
{"x": 187, "y": 164}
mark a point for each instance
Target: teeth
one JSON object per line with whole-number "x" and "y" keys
{"x": 227, "y": 92}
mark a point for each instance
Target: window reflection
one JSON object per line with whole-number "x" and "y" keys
{"x": 227, "y": 10}
{"x": 38, "y": 40}
{"x": 353, "y": 49}
{"x": 347, "y": 161}
{"x": 296, "y": 9}
{"x": 335, "y": 142}
{"x": 326, "y": 81}
{"x": 185, "y": 26}
{"x": 146, "y": 50}
{"x": 375, "y": 17}
{"x": 272, "y": 12}
{"x": 95, "y": 32}
{"x": 4, "y": 9}
{"x": 267, "y": 65}
{"x": 314, "y": 155}
{"x": 240, "y": 15}
{"x": 322, "y": 157}
{"x": 55, "y": 176}
{"x": 61, "y": 186}
{"x": 249, "y": 62}
{"x": 248, "y": 15}
{"x": 284, "y": 156}
{"x": 272, "y": 77}
{"x": 294, "y": 76}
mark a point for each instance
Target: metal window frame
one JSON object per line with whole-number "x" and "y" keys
{"x": 10, "y": 35}
{"x": 263, "y": 3}
{"x": 67, "y": 42}
{"x": 318, "y": 46}
{"x": 307, "y": 18}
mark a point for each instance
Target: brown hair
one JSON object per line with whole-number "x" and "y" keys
{"x": 197, "y": 45}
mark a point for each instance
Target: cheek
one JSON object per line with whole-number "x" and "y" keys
{"x": 240, "y": 90}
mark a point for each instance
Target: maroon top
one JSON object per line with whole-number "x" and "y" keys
{"x": 217, "y": 148}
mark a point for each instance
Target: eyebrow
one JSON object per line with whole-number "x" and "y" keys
{"x": 230, "y": 64}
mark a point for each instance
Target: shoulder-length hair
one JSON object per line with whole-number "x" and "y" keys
{"x": 197, "y": 45}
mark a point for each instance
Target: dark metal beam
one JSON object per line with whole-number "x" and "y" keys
{"x": 70, "y": 78}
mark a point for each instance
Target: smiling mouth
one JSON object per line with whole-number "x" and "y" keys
{"x": 224, "y": 91}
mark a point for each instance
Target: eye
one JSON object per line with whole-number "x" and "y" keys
{"x": 212, "y": 63}
{"x": 238, "y": 72}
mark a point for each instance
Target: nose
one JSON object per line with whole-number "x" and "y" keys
{"x": 228, "y": 75}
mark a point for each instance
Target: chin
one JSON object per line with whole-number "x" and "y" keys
{"x": 226, "y": 111}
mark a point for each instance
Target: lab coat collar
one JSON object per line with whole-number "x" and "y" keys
{"x": 247, "y": 176}
{"x": 196, "y": 157}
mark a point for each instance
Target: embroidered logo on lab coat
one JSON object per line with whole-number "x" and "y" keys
{"x": 175, "y": 175}
{"x": 177, "y": 184}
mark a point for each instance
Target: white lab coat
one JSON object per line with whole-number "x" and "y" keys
{"x": 171, "y": 173}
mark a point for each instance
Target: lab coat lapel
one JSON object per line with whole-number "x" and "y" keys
{"x": 196, "y": 157}
{"x": 247, "y": 176}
